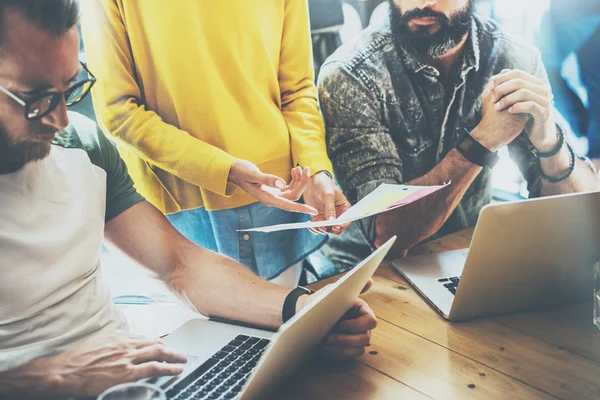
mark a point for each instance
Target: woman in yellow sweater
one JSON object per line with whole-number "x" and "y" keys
{"x": 207, "y": 97}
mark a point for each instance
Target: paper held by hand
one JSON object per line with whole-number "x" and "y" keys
{"x": 385, "y": 198}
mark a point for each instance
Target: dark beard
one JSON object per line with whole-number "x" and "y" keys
{"x": 421, "y": 42}
{"x": 15, "y": 155}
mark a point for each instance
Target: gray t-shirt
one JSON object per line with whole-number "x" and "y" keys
{"x": 52, "y": 217}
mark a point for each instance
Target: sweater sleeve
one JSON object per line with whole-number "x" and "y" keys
{"x": 121, "y": 112}
{"x": 298, "y": 91}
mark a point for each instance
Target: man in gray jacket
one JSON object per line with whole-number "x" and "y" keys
{"x": 429, "y": 97}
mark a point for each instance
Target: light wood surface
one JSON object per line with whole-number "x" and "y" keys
{"x": 415, "y": 354}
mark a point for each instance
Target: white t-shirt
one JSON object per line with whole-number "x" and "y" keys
{"x": 52, "y": 216}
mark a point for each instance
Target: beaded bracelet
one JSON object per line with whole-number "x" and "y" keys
{"x": 565, "y": 176}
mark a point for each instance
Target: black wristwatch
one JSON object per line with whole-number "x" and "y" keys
{"x": 289, "y": 305}
{"x": 475, "y": 152}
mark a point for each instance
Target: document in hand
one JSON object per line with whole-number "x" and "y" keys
{"x": 386, "y": 197}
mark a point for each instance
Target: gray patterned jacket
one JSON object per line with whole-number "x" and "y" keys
{"x": 389, "y": 119}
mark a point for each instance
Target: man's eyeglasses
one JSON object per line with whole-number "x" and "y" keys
{"x": 43, "y": 104}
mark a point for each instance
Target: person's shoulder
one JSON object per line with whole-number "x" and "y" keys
{"x": 498, "y": 47}
{"x": 361, "y": 60}
{"x": 370, "y": 44}
{"x": 81, "y": 133}
{"x": 84, "y": 134}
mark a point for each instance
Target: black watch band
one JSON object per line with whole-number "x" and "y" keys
{"x": 475, "y": 152}
{"x": 289, "y": 305}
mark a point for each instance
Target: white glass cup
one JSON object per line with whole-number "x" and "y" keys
{"x": 133, "y": 391}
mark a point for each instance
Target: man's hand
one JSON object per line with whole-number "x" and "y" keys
{"x": 352, "y": 334}
{"x": 271, "y": 190}
{"x": 497, "y": 128}
{"x": 328, "y": 199}
{"x": 523, "y": 94}
{"x": 103, "y": 362}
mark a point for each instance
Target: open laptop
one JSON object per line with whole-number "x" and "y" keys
{"x": 524, "y": 255}
{"x": 234, "y": 362}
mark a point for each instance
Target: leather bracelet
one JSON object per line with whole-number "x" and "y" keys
{"x": 289, "y": 305}
{"x": 565, "y": 176}
{"x": 557, "y": 148}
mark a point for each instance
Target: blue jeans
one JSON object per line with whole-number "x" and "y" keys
{"x": 266, "y": 254}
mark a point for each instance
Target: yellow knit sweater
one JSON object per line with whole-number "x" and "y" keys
{"x": 189, "y": 86}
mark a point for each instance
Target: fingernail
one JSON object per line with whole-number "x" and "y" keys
{"x": 279, "y": 184}
{"x": 493, "y": 97}
{"x": 497, "y": 106}
{"x": 510, "y": 109}
{"x": 331, "y": 218}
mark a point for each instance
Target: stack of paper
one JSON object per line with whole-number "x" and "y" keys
{"x": 384, "y": 198}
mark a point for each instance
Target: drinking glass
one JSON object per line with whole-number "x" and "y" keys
{"x": 133, "y": 391}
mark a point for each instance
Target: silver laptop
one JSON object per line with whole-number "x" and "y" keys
{"x": 524, "y": 255}
{"x": 234, "y": 362}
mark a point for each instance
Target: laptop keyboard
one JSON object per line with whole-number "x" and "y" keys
{"x": 223, "y": 375}
{"x": 450, "y": 283}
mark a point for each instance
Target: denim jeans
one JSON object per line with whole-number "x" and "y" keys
{"x": 266, "y": 254}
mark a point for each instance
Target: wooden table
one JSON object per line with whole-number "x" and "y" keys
{"x": 415, "y": 354}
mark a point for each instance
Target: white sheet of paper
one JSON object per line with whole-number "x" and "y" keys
{"x": 385, "y": 198}
{"x": 160, "y": 317}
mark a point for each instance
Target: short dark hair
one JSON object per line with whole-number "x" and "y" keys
{"x": 53, "y": 16}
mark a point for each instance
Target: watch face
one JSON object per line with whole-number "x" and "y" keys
{"x": 466, "y": 144}
{"x": 473, "y": 151}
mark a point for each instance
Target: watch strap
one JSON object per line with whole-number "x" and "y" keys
{"x": 289, "y": 304}
{"x": 475, "y": 152}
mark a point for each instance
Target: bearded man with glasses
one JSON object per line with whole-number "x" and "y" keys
{"x": 63, "y": 190}
{"x": 38, "y": 102}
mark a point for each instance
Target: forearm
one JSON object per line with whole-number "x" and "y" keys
{"x": 418, "y": 221}
{"x": 218, "y": 286}
{"x": 144, "y": 134}
{"x": 34, "y": 380}
{"x": 582, "y": 179}
{"x": 210, "y": 283}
